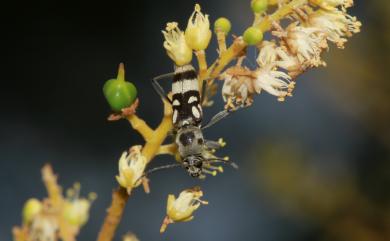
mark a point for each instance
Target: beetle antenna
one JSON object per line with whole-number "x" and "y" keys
{"x": 220, "y": 160}
{"x": 158, "y": 169}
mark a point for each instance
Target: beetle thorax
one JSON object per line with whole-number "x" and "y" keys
{"x": 190, "y": 141}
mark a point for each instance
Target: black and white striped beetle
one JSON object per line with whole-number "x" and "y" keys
{"x": 187, "y": 117}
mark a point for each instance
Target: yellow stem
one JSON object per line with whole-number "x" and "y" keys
{"x": 221, "y": 37}
{"x": 152, "y": 145}
{"x": 140, "y": 125}
{"x": 169, "y": 149}
{"x": 53, "y": 189}
{"x": 66, "y": 231}
{"x": 201, "y": 56}
{"x": 226, "y": 57}
{"x": 20, "y": 234}
{"x": 276, "y": 2}
{"x": 267, "y": 21}
{"x": 149, "y": 151}
{"x": 114, "y": 214}
{"x": 239, "y": 45}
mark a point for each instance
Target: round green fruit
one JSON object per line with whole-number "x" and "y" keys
{"x": 223, "y": 24}
{"x": 259, "y": 6}
{"x": 253, "y": 36}
{"x": 119, "y": 94}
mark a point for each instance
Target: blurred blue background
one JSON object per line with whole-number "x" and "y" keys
{"x": 313, "y": 168}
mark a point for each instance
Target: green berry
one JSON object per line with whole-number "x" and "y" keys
{"x": 118, "y": 92}
{"x": 223, "y": 24}
{"x": 253, "y": 35}
{"x": 259, "y": 6}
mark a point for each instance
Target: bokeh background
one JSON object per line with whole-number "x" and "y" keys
{"x": 316, "y": 167}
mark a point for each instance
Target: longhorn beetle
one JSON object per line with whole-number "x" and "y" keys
{"x": 187, "y": 118}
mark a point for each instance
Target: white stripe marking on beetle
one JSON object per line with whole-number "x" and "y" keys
{"x": 190, "y": 84}
{"x": 195, "y": 112}
{"x": 176, "y": 103}
{"x": 192, "y": 99}
{"x": 174, "y": 117}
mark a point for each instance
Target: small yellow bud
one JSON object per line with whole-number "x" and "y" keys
{"x": 223, "y": 24}
{"x": 259, "y": 6}
{"x": 176, "y": 45}
{"x": 198, "y": 33}
{"x": 76, "y": 212}
{"x": 130, "y": 237}
{"x": 253, "y": 35}
{"x": 31, "y": 208}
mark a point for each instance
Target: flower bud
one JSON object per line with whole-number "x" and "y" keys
{"x": 130, "y": 237}
{"x": 182, "y": 208}
{"x": 31, "y": 208}
{"x": 118, "y": 92}
{"x": 176, "y": 45}
{"x": 253, "y": 35}
{"x": 76, "y": 212}
{"x": 198, "y": 33}
{"x": 76, "y": 209}
{"x": 222, "y": 24}
{"x": 259, "y": 6}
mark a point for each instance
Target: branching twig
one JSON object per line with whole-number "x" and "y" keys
{"x": 114, "y": 214}
{"x": 153, "y": 139}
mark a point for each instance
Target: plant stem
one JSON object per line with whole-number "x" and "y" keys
{"x": 153, "y": 139}
{"x": 226, "y": 57}
{"x": 66, "y": 231}
{"x": 221, "y": 38}
{"x": 53, "y": 189}
{"x": 201, "y": 56}
{"x": 20, "y": 234}
{"x": 239, "y": 45}
{"x": 140, "y": 125}
{"x": 266, "y": 23}
{"x": 114, "y": 214}
{"x": 169, "y": 149}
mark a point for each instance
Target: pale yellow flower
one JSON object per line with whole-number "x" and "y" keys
{"x": 76, "y": 209}
{"x": 198, "y": 33}
{"x": 131, "y": 168}
{"x": 181, "y": 209}
{"x": 176, "y": 45}
{"x": 307, "y": 43}
{"x": 267, "y": 54}
{"x": 272, "y": 81}
{"x": 130, "y": 237}
{"x": 287, "y": 61}
{"x": 44, "y": 227}
{"x": 238, "y": 86}
{"x": 77, "y": 212}
{"x": 336, "y": 24}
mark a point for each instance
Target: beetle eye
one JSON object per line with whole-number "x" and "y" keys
{"x": 198, "y": 164}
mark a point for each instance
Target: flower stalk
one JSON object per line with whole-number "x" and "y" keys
{"x": 153, "y": 141}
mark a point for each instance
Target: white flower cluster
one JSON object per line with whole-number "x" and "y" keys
{"x": 296, "y": 48}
